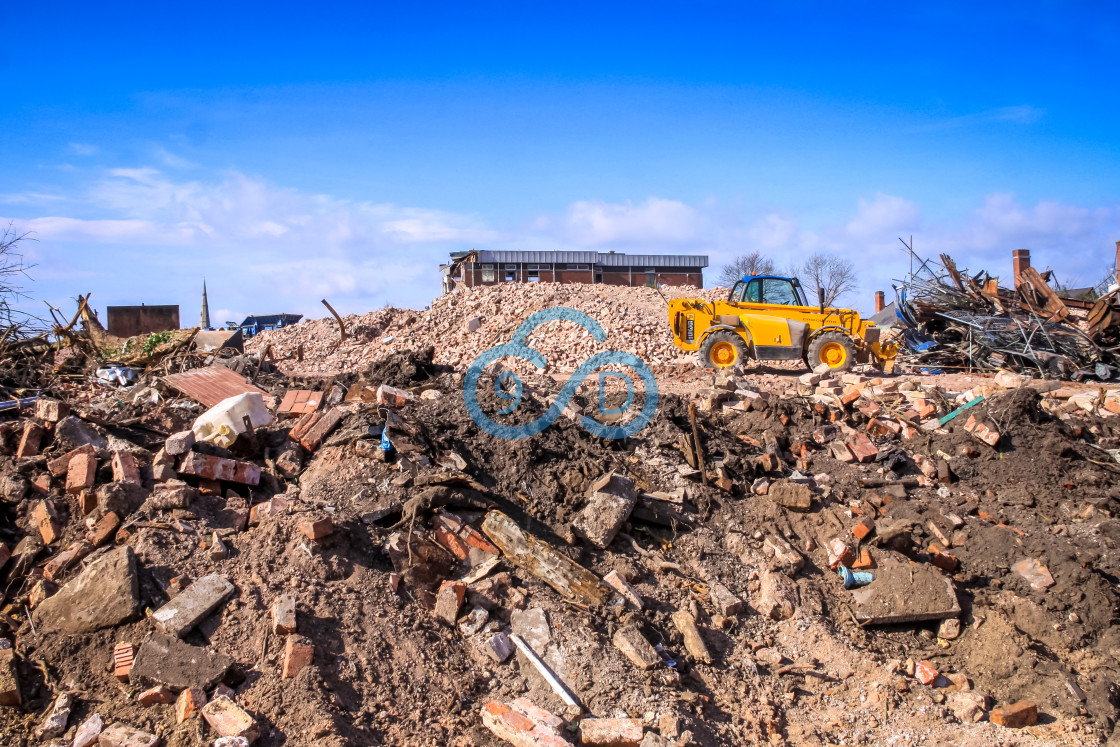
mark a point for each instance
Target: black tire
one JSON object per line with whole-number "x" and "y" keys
{"x": 717, "y": 344}
{"x": 826, "y": 347}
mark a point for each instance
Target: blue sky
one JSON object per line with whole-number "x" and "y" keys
{"x": 292, "y": 152}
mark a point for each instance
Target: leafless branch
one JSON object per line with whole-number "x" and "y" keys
{"x": 751, "y": 263}
{"x": 834, "y": 274}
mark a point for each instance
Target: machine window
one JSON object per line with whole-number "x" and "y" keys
{"x": 754, "y": 292}
{"x": 779, "y": 291}
{"x": 737, "y": 292}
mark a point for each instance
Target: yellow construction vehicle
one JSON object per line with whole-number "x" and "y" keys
{"x": 767, "y": 318}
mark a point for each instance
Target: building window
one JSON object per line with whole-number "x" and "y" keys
{"x": 511, "y": 274}
{"x": 538, "y": 267}
{"x": 585, "y": 268}
{"x": 651, "y": 279}
{"x": 487, "y": 273}
{"x": 533, "y": 276}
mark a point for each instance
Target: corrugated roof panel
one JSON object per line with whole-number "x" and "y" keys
{"x": 537, "y": 257}
{"x": 212, "y": 384}
{"x": 652, "y": 260}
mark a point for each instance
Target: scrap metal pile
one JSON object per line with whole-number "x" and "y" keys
{"x": 955, "y": 319}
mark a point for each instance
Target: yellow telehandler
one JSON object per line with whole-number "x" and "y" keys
{"x": 766, "y": 317}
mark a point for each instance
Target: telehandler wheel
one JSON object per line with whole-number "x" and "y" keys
{"x": 835, "y": 349}
{"x": 723, "y": 349}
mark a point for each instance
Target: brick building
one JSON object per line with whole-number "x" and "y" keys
{"x": 481, "y": 267}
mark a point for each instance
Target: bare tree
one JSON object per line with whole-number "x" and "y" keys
{"x": 13, "y": 270}
{"x": 752, "y": 263}
{"x": 834, "y": 274}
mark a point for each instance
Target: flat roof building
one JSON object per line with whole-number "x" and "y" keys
{"x": 483, "y": 267}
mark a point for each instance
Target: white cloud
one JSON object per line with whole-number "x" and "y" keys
{"x": 83, "y": 149}
{"x": 885, "y": 214}
{"x": 657, "y": 222}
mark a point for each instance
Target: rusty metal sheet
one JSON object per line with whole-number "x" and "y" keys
{"x": 299, "y": 402}
{"x": 212, "y": 384}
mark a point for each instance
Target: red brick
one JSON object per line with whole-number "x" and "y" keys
{"x": 312, "y": 437}
{"x": 458, "y": 536}
{"x": 840, "y": 553}
{"x": 125, "y": 468}
{"x": 215, "y": 468}
{"x": 870, "y": 408}
{"x": 155, "y": 696}
{"x": 227, "y": 719}
{"x": 925, "y": 673}
{"x": 104, "y": 530}
{"x": 51, "y": 410}
{"x": 611, "y": 732}
{"x": 298, "y": 653}
{"x": 862, "y": 448}
{"x": 65, "y": 560}
{"x": 865, "y": 561}
{"x": 942, "y": 559}
{"x": 317, "y": 528}
{"x": 123, "y": 655}
{"x": 42, "y": 484}
{"x": 512, "y": 724}
{"x": 81, "y": 473}
{"x": 990, "y": 436}
{"x": 189, "y": 703}
{"x": 31, "y": 440}
{"x": 58, "y": 466}
{"x": 840, "y": 452}
{"x": 449, "y": 600}
{"x": 925, "y": 408}
{"x": 87, "y": 501}
{"x": 390, "y": 396}
{"x": 272, "y": 507}
{"x": 864, "y": 528}
{"x": 46, "y": 520}
{"x": 1016, "y": 715}
{"x": 849, "y": 397}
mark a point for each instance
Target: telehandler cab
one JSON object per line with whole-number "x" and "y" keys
{"x": 767, "y": 318}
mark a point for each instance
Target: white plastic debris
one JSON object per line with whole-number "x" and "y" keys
{"x": 224, "y": 422}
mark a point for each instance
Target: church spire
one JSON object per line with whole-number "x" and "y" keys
{"x": 204, "y": 319}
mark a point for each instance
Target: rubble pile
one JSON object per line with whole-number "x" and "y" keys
{"x": 831, "y": 559}
{"x": 462, "y": 324}
{"x": 955, "y": 319}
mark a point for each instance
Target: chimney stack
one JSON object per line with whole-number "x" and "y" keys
{"x": 1020, "y": 260}
{"x": 881, "y": 300}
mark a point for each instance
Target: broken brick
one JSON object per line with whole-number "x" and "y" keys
{"x": 315, "y": 529}
{"x": 925, "y": 673}
{"x": 390, "y": 396}
{"x": 840, "y": 452}
{"x": 42, "y": 484}
{"x": 611, "y": 732}
{"x": 313, "y": 428}
{"x": 942, "y": 559}
{"x": 865, "y": 561}
{"x": 189, "y": 703}
{"x": 458, "y": 537}
{"x": 272, "y": 507}
{"x": 9, "y": 678}
{"x": 862, "y": 448}
{"x": 216, "y": 468}
{"x": 840, "y": 553}
{"x": 179, "y": 443}
{"x": 228, "y": 719}
{"x": 81, "y": 473}
{"x": 634, "y": 646}
{"x": 155, "y": 696}
{"x": 104, "y": 529}
{"x": 51, "y": 410}
{"x": 66, "y": 560}
{"x": 124, "y": 654}
{"x": 284, "y": 615}
{"x": 59, "y": 465}
{"x": 298, "y": 653}
{"x": 625, "y": 590}
{"x": 864, "y": 529}
{"x": 125, "y": 468}
{"x": 46, "y": 521}
{"x": 31, "y": 440}
{"x": 1016, "y": 715}
{"x": 449, "y": 600}
{"x": 122, "y": 735}
{"x": 519, "y": 726}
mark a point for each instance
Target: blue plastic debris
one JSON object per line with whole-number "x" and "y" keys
{"x": 386, "y": 444}
{"x": 854, "y": 579}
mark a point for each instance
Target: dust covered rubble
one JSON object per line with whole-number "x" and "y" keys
{"x": 455, "y": 588}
